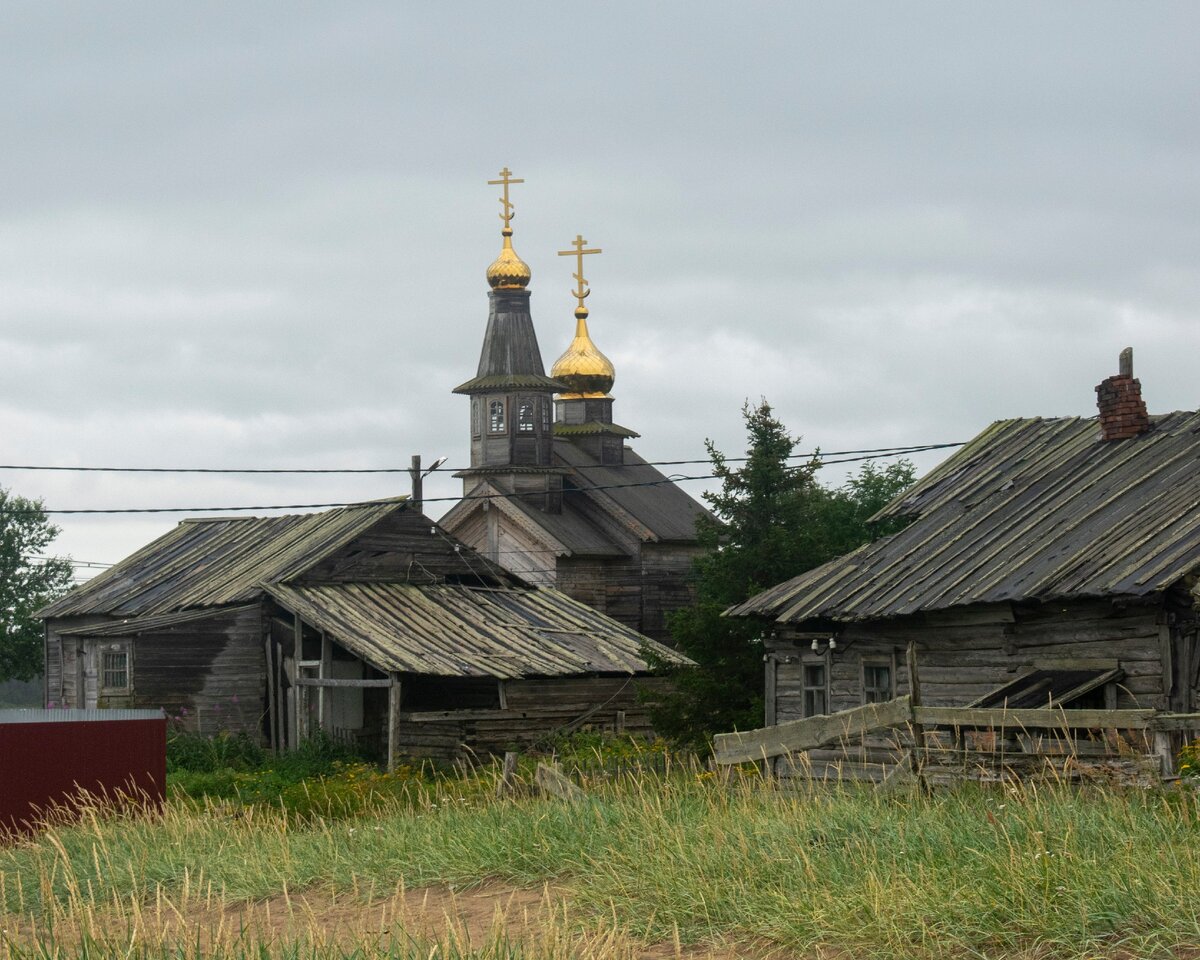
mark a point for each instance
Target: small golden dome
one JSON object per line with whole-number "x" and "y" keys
{"x": 583, "y": 368}
{"x": 508, "y": 271}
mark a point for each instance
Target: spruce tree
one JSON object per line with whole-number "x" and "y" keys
{"x": 771, "y": 521}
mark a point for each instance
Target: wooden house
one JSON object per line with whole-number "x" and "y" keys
{"x": 1050, "y": 562}
{"x": 553, "y": 493}
{"x": 369, "y": 622}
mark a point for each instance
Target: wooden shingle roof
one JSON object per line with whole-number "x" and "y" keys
{"x": 215, "y": 562}
{"x": 1031, "y": 509}
{"x": 454, "y": 631}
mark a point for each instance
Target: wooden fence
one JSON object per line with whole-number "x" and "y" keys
{"x": 940, "y": 734}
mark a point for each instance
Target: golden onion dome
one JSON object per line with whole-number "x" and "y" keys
{"x": 508, "y": 271}
{"x": 583, "y": 368}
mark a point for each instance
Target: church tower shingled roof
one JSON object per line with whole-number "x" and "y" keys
{"x": 512, "y": 434}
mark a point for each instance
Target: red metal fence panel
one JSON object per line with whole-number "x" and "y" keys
{"x": 48, "y": 756}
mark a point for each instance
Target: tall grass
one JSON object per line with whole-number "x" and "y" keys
{"x": 1037, "y": 870}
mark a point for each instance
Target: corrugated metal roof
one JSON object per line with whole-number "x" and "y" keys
{"x": 217, "y": 561}
{"x": 76, "y": 716}
{"x": 469, "y": 632}
{"x": 1031, "y": 509}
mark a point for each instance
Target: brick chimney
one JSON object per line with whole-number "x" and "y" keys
{"x": 1122, "y": 409}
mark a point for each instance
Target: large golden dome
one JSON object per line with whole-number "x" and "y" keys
{"x": 583, "y": 368}
{"x": 508, "y": 271}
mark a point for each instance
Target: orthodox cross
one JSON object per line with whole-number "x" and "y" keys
{"x": 506, "y": 178}
{"x": 579, "y": 253}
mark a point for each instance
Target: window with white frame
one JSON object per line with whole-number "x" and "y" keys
{"x": 525, "y": 420}
{"x": 114, "y": 668}
{"x": 496, "y": 416}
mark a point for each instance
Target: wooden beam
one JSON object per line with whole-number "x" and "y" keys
{"x": 272, "y": 713}
{"x": 295, "y": 698}
{"x": 1176, "y": 721}
{"x": 795, "y": 736}
{"x": 324, "y": 711}
{"x": 393, "y": 738}
{"x": 1049, "y": 719}
{"x": 769, "y": 673}
{"x": 332, "y": 682}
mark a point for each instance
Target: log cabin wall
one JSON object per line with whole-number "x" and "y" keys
{"x": 534, "y": 711}
{"x": 965, "y": 654}
{"x": 64, "y": 662}
{"x": 667, "y": 584}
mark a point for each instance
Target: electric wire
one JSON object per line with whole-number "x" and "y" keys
{"x": 911, "y": 448}
{"x": 366, "y": 504}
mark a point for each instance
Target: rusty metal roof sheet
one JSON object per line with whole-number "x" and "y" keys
{"x": 1031, "y": 509}
{"x": 455, "y": 631}
{"x": 213, "y": 562}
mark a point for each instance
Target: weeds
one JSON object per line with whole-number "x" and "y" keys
{"x": 1037, "y": 870}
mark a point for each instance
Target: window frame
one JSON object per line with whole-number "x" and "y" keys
{"x": 525, "y": 426}
{"x": 873, "y": 663}
{"x": 476, "y": 417}
{"x": 807, "y": 663}
{"x": 104, "y": 651}
{"x": 495, "y": 417}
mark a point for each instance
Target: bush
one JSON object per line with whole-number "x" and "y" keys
{"x": 1189, "y": 761}
{"x": 223, "y": 751}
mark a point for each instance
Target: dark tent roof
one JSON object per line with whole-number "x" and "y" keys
{"x": 639, "y": 495}
{"x": 1031, "y": 509}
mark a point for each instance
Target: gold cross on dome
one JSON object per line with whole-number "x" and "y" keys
{"x": 506, "y": 178}
{"x": 581, "y": 291}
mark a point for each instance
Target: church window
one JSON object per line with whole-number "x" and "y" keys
{"x": 525, "y": 416}
{"x": 545, "y": 416}
{"x": 496, "y": 416}
{"x": 476, "y": 416}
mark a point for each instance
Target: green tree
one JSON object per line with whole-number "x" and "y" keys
{"x": 771, "y": 521}
{"x": 28, "y": 581}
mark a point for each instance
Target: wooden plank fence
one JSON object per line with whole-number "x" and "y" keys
{"x": 811, "y": 733}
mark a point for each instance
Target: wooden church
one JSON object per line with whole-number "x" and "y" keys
{"x": 553, "y": 493}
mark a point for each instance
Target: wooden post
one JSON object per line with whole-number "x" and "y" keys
{"x": 1166, "y": 755}
{"x": 296, "y": 699}
{"x": 273, "y": 719}
{"x": 280, "y": 705}
{"x": 324, "y": 706}
{"x": 770, "y": 668}
{"x": 393, "y": 741}
{"x": 414, "y": 473}
{"x": 914, "y": 701}
{"x": 508, "y": 774}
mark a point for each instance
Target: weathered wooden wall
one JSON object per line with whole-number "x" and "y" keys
{"x": 403, "y": 547}
{"x": 965, "y": 654}
{"x": 64, "y": 662}
{"x": 209, "y": 675}
{"x": 535, "y": 711}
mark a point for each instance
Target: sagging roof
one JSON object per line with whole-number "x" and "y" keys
{"x": 221, "y": 561}
{"x": 453, "y": 631}
{"x": 638, "y": 495}
{"x": 1031, "y": 509}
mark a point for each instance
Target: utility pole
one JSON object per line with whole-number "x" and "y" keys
{"x": 417, "y": 482}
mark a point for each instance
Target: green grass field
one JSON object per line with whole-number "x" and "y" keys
{"x": 648, "y": 862}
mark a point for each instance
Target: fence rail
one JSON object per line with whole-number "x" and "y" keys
{"x": 811, "y": 733}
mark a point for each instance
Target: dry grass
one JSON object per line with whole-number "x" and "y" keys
{"x": 648, "y": 866}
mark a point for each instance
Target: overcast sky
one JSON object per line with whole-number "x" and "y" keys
{"x": 255, "y": 235}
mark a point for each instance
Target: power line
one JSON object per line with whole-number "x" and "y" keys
{"x": 364, "y": 504}
{"x": 898, "y": 451}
